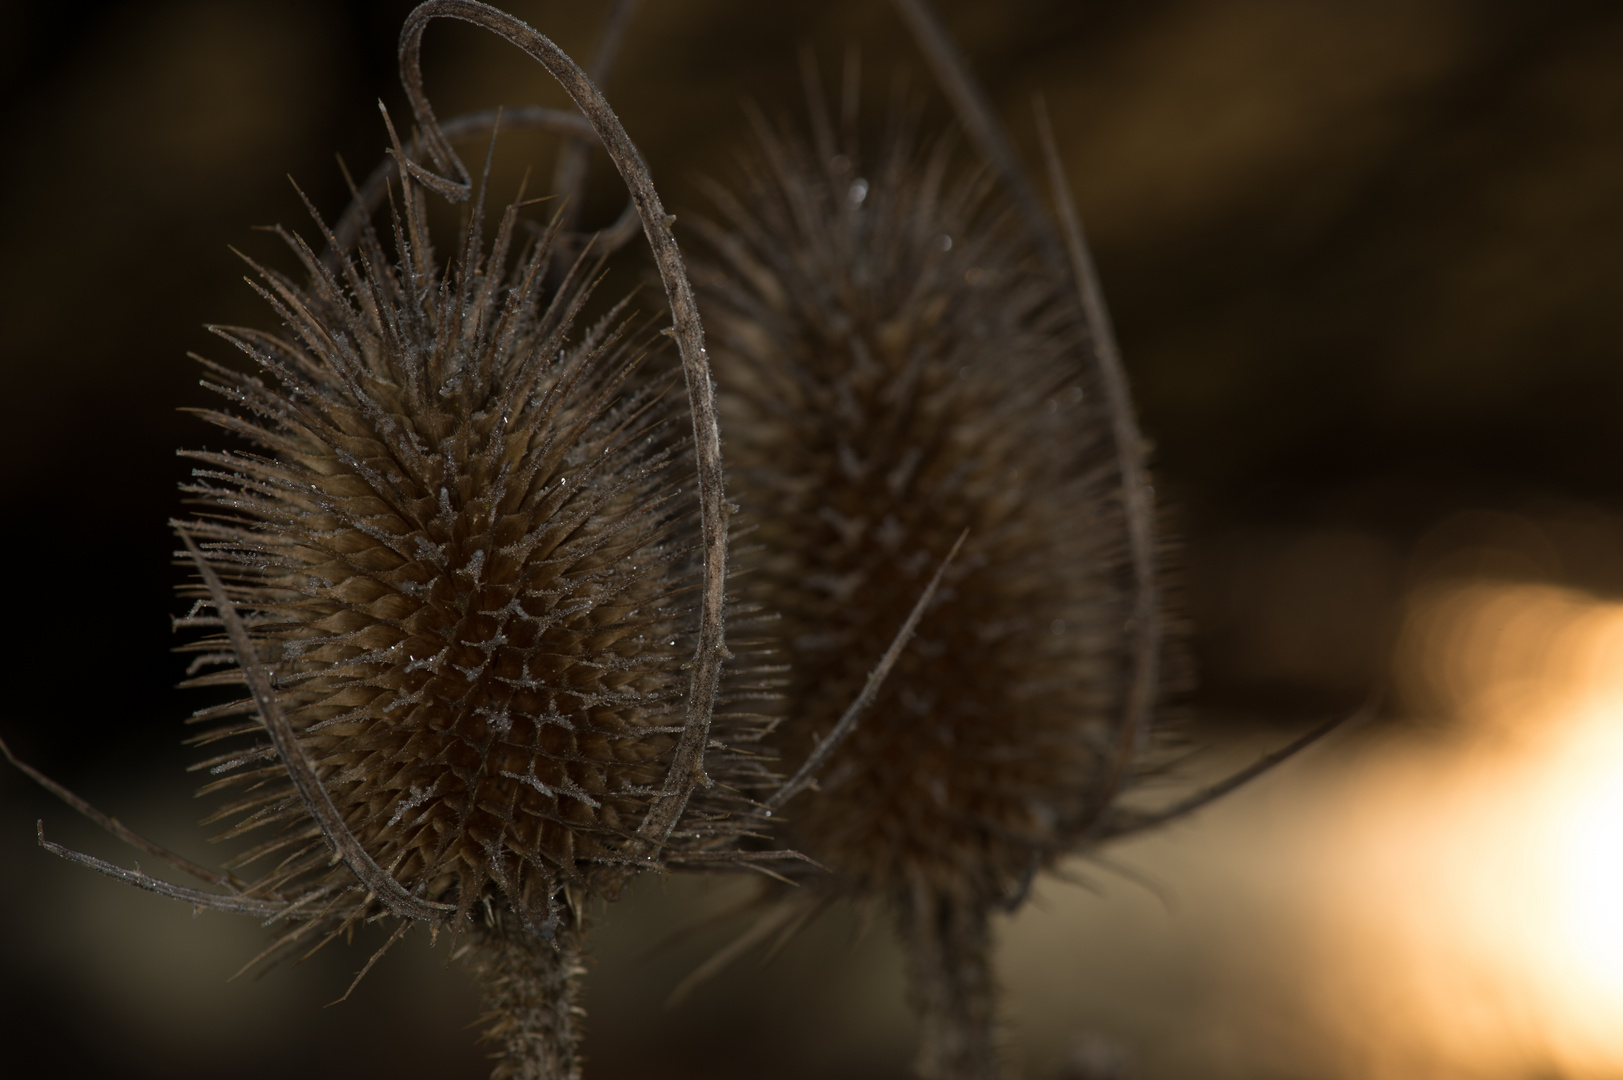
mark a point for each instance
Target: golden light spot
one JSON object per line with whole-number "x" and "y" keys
{"x": 1440, "y": 899}
{"x": 1495, "y": 936}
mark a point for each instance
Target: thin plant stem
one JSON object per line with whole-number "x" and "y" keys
{"x": 950, "y": 984}
{"x": 1076, "y": 262}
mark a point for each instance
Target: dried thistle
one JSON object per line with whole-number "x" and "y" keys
{"x": 467, "y": 565}
{"x": 490, "y": 693}
{"x": 901, "y": 373}
{"x": 464, "y": 577}
{"x": 1068, "y": 262}
{"x": 914, "y": 353}
{"x": 903, "y": 345}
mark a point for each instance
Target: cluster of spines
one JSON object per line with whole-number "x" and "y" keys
{"x": 464, "y": 551}
{"x": 898, "y": 371}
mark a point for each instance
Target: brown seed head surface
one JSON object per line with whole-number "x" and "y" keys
{"x": 465, "y": 545}
{"x": 897, "y": 370}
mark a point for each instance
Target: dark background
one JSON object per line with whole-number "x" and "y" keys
{"x": 1365, "y": 260}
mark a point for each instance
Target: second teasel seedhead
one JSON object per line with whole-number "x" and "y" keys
{"x": 899, "y": 371}
{"x": 912, "y": 386}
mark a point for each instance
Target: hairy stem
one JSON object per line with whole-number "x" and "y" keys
{"x": 531, "y": 990}
{"x": 949, "y": 971}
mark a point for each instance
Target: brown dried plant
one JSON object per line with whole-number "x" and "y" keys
{"x": 472, "y": 568}
{"x": 902, "y": 390}
{"x": 463, "y": 575}
{"x": 900, "y": 379}
{"x": 919, "y": 372}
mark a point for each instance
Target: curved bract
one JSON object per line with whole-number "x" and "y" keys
{"x": 686, "y": 329}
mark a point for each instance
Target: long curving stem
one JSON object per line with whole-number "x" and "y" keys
{"x": 687, "y": 767}
{"x": 1065, "y": 252}
{"x": 531, "y": 990}
{"x": 948, "y": 940}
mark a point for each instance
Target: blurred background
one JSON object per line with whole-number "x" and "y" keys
{"x": 1365, "y": 259}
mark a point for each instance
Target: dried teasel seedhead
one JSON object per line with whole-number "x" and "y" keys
{"x": 899, "y": 370}
{"x": 472, "y": 575}
{"x": 465, "y": 550}
{"x": 905, "y": 369}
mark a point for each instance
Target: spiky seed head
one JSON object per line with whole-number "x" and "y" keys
{"x": 464, "y": 542}
{"x": 900, "y": 370}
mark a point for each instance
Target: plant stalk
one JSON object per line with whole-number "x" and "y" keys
{"x": 531, "y": 989}
{"x": 950, "y": 986}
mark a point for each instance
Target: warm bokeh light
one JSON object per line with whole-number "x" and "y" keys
{"x": 1441, "y": 900}
{"x": 1497, "y": 853}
